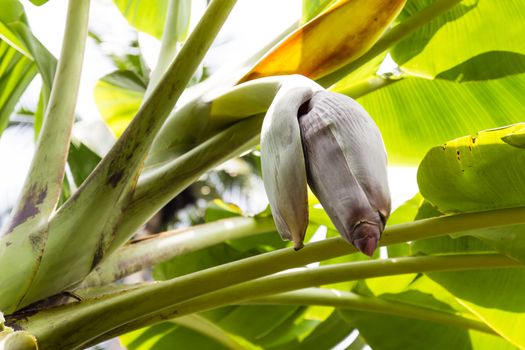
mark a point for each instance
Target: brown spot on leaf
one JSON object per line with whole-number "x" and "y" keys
{"x": 29, "y": 209}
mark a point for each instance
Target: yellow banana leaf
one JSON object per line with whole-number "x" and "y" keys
{"x": 336, "y": 37}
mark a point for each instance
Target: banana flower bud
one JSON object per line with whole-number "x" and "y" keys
{"x": 329, "y": 141}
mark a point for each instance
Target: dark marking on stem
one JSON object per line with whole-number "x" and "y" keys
{"x": 117, "y": 168}
{"x": 473, "y": 139}
{"x": 10, "y": 323}
{"x": 31, "y": 200}
{"x": 36, "y": 241}
{"x": 150, "y": 126}
{"x": 99, "y": 254}
{"x": 115, "y": 177}
{"x": 25, "y": 313}
{"x": 458, "y": 155}
{"x": 7, "y": 244}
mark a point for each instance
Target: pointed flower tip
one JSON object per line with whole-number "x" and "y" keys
{"x": 366, "y": 245}
{"x": 366, "y": 238}
{"x": 298, "y": 246}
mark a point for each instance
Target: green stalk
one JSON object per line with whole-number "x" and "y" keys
{"x": 170, "y": 143}
{"x": 43, "y": 183}
{"x": 212, "y": 111}
{"x": 162, "y": 183}
{"x": 65, "y": 327}
{"x": 352, "y": 301}
{"x": 309, "y": 277}
{"x": 392, "y": 37}
{"x": 182, "y": 288}
{"x": 171, "y": 34}
{"x": 367, "y": 86}
{"x": 272, "y": 262}
{"x": 136, "y": 256}
{"x": 159, "y": 248}
{"x": 240, "y": 107}
{"x": 100, "y": 199}
{"x": 21, "y": 249}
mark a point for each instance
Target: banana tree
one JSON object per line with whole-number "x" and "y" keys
{"x": 452, "y": 272}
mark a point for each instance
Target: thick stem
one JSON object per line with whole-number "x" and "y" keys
{"x": 352, "y": 301}
{"x": 182, "y": 288}
{"x": 309, "y": 277}
{"x": 245, "y": 104}
{"x": 157, "y": 302}
{"x": 366, "y": 86}
{"x": 43, "y": 184}
{"x": 157, "y": 187}
{"x": 22, "y": 248}
{"x": 139, "y": 254}
{"x": 162, "y": 247}
{"x": 100, "y": 199}
{"x": 393, "y": 36}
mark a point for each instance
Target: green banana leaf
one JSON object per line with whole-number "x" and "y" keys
{"x": 397, "y": 332}
{"x": 38, "y": 2}
{"x": 327, "y": 334}
{"x": 415, "y": 114}
{"x": 118, "y": 96}
{"x": 469, "y": 29}
{"x": 479, "y": 172}
{"x": 12, "y": 12}
{"x": 486, "y": 66}
{"x": 498, "y": 305}
{"x": 15, "y": 32}
{"x": 166, "y": 335}
{"x": 149, "y": 15}
{"x": 16, "y": 72}
{"x": 215, "y": 335}
{"x": 385, "y": 332}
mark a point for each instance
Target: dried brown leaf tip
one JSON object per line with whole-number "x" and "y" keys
{"x": 344, "y": 160}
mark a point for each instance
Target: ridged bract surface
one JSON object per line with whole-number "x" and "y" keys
{"x": 346, "y": 166}
{"x": 283, "y": 165}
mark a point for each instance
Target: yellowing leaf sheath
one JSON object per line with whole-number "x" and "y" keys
{"x": 336, "y": 37}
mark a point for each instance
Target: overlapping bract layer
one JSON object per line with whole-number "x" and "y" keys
{"x": 342, "y": 158}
